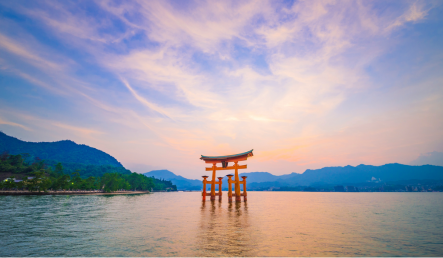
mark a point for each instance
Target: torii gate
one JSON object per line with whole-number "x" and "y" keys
{"x": 224, "y": 160}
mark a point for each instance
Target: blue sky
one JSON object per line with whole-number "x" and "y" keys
{"x": 306, "y": 84}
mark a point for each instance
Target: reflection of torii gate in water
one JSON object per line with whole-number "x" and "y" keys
{"x": 224, "y": 160}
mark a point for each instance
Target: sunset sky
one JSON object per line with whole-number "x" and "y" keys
{"x": 156, "y": 84}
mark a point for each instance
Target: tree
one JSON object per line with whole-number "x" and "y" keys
{"x": 64, "y": 182}
{"x": 139, "y": 181}
{"x": 20, "y": 185}
{"x": 26, "y": 157}
{"x": 16, "y": 160}
{"x": 90, "y": 183}
{"x": 76, "y": 181}
{"x": 112, "y": 182}
{"x": 4, "y": 156}
{"x": 31, "y": 184}
{"x": 40, "y": 182}
{"x": 59, "y": 169}
{"x": 9, "y": 183}
{"x": 44, "y": 184}
{"x": 126, "y": 185}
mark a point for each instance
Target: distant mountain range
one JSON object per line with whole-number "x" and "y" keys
{"x": 181, "y": 182}
{"x": 93, "y": 162}
{"x": 347, "y": 175}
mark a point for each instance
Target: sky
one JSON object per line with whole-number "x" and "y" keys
{"x": 156, "y": 84}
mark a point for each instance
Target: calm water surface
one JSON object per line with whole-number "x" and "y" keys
{"x": 179, "y": 224}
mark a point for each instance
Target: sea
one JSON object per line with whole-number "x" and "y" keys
{"x": 180, "y": 224}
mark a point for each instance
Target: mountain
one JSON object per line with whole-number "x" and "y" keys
{"x": 63, "y": 151}
{"x": 347, "y": 175}
{"x": 88, "y": 160}
{"x": 364, "y": 173}
{"x": 258, "y": 177}
{"x": 181, "y": 182}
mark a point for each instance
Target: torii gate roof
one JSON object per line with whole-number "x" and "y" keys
{"x": 227, "y": 158}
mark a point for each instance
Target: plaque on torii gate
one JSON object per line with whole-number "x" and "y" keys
{"x": 224, "y": 160}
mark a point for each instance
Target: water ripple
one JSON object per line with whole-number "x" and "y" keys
{"x": 179, "y": 224}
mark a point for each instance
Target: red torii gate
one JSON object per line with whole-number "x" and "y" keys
{"x": 224, "y": 160}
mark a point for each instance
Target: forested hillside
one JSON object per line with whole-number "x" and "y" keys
{"x": 86, "y": 170}
{"x": 17, "y": 174}
{"x": 20, "y": 159}
{"x": 53, "y": 152}
{"x": 85, "y": 160}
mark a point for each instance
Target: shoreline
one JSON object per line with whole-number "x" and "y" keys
{"x": 72, "y": 193}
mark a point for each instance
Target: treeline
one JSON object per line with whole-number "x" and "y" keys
{"x": 37, "y": 176}
{"x": 23, "y": 163}
{"x": 87, "y": 170}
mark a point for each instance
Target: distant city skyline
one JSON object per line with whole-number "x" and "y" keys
{"x": 156, "y": 84}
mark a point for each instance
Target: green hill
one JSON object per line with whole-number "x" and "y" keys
{"x": 88, "y": 161}
{"x": 96, "y": 169}
{"x": 62, "y": 151}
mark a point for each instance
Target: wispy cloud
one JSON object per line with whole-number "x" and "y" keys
{"x": 77, "y": 129}
{"x": 5, "y": 122}
{"x": 39, "y": 122}
{"x": 416, "y": 12}
{"x": 143, "y": 100}
{"x": 14, "y": 47}
{"x": 296, "y": 80}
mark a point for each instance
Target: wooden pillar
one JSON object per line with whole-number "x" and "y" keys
{"x": 204, "y": 188}
{"x": 245, "y": 195}
{"x": 220, "y": 187}
{"x": 229, "y": 188}
{"x": 237, "y": 184}
{"x": 214, "y": 167}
